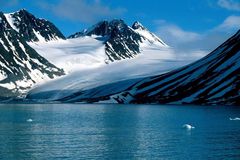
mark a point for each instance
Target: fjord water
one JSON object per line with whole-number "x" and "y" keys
{"x": 99, "y": 131}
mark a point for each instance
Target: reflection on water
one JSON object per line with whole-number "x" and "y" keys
{"x": 77, "y": 131}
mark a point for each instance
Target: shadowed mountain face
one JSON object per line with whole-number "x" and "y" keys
{"x": 214, "y": 79}
{"x": 32, "y": 28}
{"x": 20, "y": 65}
{"x": 121, "y": 40}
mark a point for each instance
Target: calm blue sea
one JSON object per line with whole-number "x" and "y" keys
{"x": 100, "y": 131}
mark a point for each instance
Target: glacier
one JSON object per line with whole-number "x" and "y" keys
{"x": 84, "y": 60}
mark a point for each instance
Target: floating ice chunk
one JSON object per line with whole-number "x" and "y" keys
{"x": 29, "y": 120}
{"x": 188, "y": 126}
{"x": 234, "y": 119}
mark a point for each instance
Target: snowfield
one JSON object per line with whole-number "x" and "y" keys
{"x": 72, "y": 54}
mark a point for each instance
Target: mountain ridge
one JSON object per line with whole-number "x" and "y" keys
{"x": 31, "y": 28}
{"x": 122, "y": 41}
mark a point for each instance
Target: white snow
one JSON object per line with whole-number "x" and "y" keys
{"x": 10, "y": 85}
{"x": 39, "y": 36}
{"x": 3, "y": 65}
{"x": 5, "y": 47}
{"x": 22, "y": 47}
{"x": 2, "y": 76}
{"x": 10, "y": 20}
{"x": 73, "y": 54}
{"x": 10, "y": 43}
{"x": 151, "y": 37}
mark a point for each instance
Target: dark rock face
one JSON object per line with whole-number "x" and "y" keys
{"x": 31, "y": 28}
{"x": 103, "y": 28}
{"x": 138, "y": 25}
{"x": 122, "y": 41}
{"x": 20, "y": 65}
{"x": 214, "y": 79}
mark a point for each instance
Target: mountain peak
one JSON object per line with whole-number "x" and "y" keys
{"x": 138, "y": 25}
{"x": 117, "y": 22}
{"x": 102, "y": 28}
{"x": 122, "y": 41}
{"x": 22, "y": 10}
{"x": 32, "y": 28}
{"x": 23, "y": 13}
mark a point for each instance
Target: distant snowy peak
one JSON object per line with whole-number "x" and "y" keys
{"x": 106, "y": 28}
{"x": 102, "y": 28}
{"x": 121, "y": 40}
{"x": 146, "y": 34}
{"x": 138, "y": 25}
{"x": 33, "y": 29}
{"x": 20, "y": 65}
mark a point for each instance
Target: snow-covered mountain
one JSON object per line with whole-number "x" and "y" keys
{"x": 84, "y": 59}
{"x": 20, "y": 65}
{"x": 31, "y": 28}
{"x": 214, "y": 79}
{"x": 121, "y": 41}
{"x": 33, "y": 50}
{"x": 102, "y": 43}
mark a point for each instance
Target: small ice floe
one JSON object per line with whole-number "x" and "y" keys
{"x": 29, "y": 120}
{"x": 188, "y": 126}
{"x": 234, "y": 119}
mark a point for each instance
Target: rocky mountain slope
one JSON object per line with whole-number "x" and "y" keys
{"x": 20, "y": 65}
